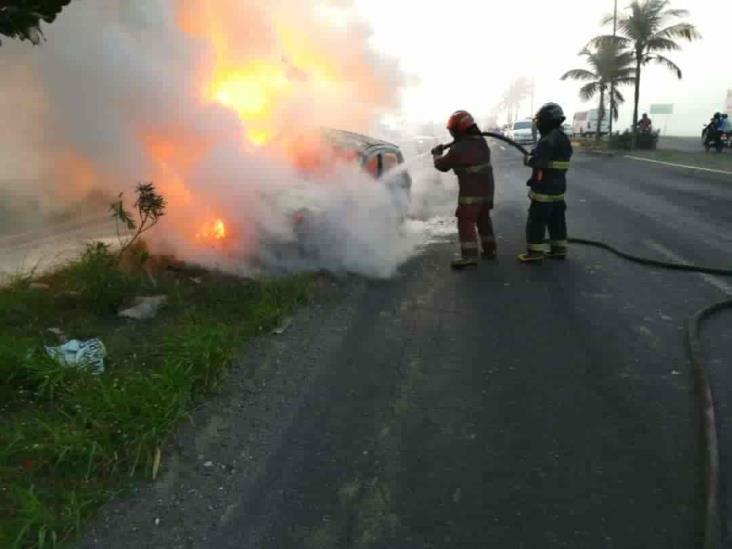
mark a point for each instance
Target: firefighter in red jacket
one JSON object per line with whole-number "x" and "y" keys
{"x": 549, "y": 162}
{"x": 470, "y": 159}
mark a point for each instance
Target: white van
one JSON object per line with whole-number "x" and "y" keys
{"x": 585, "y": 123}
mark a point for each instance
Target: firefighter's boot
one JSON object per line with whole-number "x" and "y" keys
{"x": 557, "y": 253}
{"x": 462, "y": 262}
{"x": 531, "y": 257}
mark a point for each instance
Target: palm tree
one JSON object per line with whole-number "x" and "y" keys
{"x": 21, "y": 19}
{"x": 650, "y": 27}
{"x": 607, "y": 63}
{"x": 514, "y": 96}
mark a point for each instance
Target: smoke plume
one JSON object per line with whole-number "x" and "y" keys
{"x": 219, "y": 103}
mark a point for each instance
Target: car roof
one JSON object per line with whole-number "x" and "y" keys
{"x": 354, "y": 141}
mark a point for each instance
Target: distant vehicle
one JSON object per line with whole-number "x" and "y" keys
{"x": 585, "y": 123}
{"x": 718, "y": 142}
{"x": 568, "y": 131}
{"x": 523, "y": 132}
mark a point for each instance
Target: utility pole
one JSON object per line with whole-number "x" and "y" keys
{"x": 612, "y": 82}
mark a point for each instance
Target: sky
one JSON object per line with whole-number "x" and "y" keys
{"x": 465, "y": 53}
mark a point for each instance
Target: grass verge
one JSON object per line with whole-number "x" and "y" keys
{"x": 709, "y": 160}
{"x": 70, "y": 440}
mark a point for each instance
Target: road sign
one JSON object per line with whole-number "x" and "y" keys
{"x": 662, "y": 109}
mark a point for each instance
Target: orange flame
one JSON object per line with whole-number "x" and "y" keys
{"x": 213, "y": 230}
{"x": 270, "y": 65}
{"x": 251, "y": 92}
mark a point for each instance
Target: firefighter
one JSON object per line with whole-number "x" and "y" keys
{"x": 549, "y": 162}
{"x": 470, "y": 159}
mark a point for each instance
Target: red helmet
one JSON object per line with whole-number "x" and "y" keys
{"x": 460, "y": 121}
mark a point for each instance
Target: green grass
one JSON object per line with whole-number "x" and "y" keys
{"x": 701, "y": 159}
{"x": 70, "y": 440}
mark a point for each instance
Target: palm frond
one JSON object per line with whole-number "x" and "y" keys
{"x": 659, "y": 43}
{"x": 666, "y": 62}
{"x": 579, "y": 74}
{"x": 686, "y": 31}
{"x": 625, "y": 81}
{"x": 675, "y": 13}
{"x": 605, "y": 40}
{"x": 588, "y": 91}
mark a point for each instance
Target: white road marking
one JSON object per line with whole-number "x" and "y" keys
{"x": 709, "y": 279}
{"x": 640, "y": 158}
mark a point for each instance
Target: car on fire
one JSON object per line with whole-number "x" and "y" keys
{"x": 375, "y": 156}
{"x": 315, "y": 212}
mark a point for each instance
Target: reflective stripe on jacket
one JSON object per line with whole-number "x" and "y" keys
{"x": 550, "y": 161}
{"x": 537, "y": 197}
{"x": 470, "y": 159}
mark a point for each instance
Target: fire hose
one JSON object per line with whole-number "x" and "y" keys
{"x": 713, "y": 531}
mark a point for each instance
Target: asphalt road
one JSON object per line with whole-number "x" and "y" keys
{"x": 45, "y": 248}
{"x": 512, "y": 406}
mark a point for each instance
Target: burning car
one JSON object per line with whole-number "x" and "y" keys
{"x": 317, "y": 212}
{"x": 378, "y": 158}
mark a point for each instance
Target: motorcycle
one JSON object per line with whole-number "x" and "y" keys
{"x": 718, "y": 141}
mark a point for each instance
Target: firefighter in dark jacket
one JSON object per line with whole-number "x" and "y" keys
{"x": 549, "y": 162}
{"x": 470, "y": 159}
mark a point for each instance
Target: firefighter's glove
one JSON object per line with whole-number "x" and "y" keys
{"x": 438, "y": 150}
{"x": 527, "y": 159}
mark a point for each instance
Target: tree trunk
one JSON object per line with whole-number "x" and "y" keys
{"x": 600, "y": 113}
{"x": 639, "y": 57}
{"x": 612, "y": 109}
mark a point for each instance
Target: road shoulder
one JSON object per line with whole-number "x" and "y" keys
{"x": 221, "y": 450}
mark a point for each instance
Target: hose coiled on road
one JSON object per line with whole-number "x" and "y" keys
{"x": 713, "y": 530}
{"x": 686, "y": 267}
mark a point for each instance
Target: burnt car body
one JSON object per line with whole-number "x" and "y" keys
{"x": 376, "y": 157}
{"x": 316, "y": 214}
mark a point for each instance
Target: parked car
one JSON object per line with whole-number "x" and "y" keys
{"x": 568, "y": 131}
{"x": 585, "y": 123}
{"x": 523, "y": 132}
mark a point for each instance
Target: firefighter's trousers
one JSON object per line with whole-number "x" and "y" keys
{"x": 547, "y": 215}
{"x": 472, "y": 213}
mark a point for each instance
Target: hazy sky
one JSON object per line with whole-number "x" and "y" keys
{"x": 464, "y": 54}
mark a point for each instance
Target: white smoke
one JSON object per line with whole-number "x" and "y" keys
{"x": 114, "y": 73}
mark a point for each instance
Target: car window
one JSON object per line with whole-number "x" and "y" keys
{"x": 522, "y": 126}
{"x": 373, "y": 165}
{"x": 348, "y": 156}
{"x": 388, "y": 161}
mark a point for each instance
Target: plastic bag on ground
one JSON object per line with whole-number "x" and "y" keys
{"x": 87, "y": 354}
